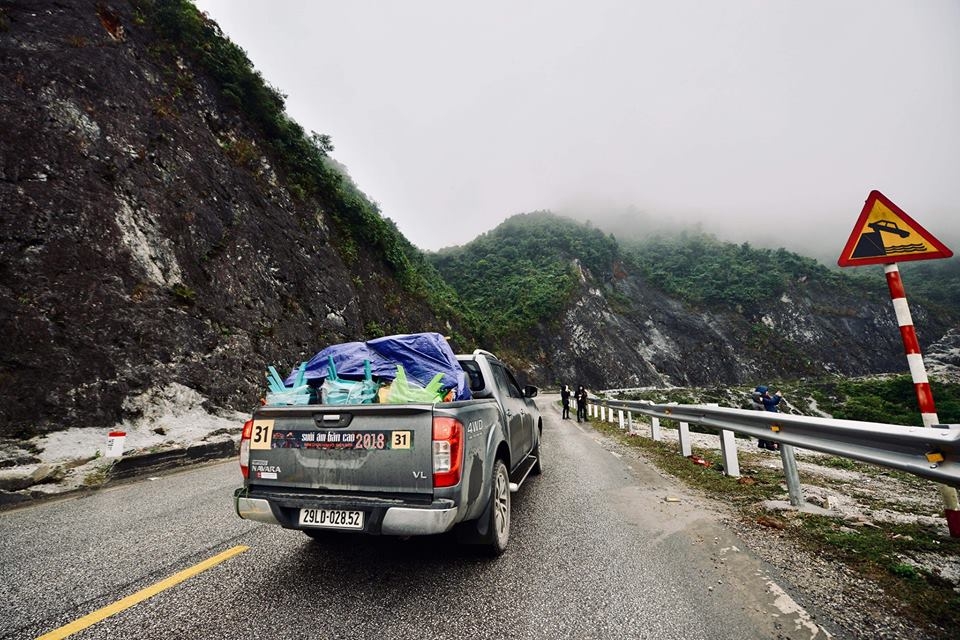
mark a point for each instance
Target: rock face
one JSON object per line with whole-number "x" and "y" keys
{"x": 145, "y": 236}
{"x": 644, "y": 338}
{"x": 943, "y": 357}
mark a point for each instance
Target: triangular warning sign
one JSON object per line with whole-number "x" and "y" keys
{"x": 885, "y": 234}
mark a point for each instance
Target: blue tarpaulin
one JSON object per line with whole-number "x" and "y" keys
{"x": 422, "y": 356}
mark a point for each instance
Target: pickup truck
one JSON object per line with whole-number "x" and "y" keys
{"x": 396, "y": 469}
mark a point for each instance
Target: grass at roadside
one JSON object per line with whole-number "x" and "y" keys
{"x": 883, "y": 552}
{"x": 887, "y": 553}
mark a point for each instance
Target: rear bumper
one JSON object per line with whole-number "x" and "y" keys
{"x": 401, "y": 521}
{"x": 382, "y": 516}
{"x": 254, "y": 509}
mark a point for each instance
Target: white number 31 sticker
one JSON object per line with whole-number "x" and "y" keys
{"x": 400, "y": 440}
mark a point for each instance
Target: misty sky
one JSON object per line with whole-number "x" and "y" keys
{"x": 764, "y": 121}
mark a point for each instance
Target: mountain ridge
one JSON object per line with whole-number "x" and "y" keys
{"x": 757, "y": 314}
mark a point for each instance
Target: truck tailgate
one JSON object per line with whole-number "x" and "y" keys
{"x": 375, "y": 449}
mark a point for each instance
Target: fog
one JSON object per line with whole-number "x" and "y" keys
{"x": 768, "y": 122}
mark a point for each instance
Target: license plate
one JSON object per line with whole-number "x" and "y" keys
{"x": 331, "y": 518}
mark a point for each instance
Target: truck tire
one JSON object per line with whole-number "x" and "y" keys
{"x": 537, "y": 453}
{"x": 498, "y": 526}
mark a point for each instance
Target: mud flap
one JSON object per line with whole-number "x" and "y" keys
{"x": 476, "y": 531}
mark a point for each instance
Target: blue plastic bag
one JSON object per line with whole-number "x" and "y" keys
{"x": 422, "y": 355}
{"x": 297, "y": 395}
{"x": 280, "y": 394}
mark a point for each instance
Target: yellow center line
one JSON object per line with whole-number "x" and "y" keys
{"x": 100, "y": 614}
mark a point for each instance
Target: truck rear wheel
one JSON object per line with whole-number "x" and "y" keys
{"x": 498, "y": 527}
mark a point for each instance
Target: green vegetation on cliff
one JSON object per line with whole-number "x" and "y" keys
{"x": 524, "y": 272}
{"x": 936, "y": 281}
{"x": 890, "y": 400}
{"x": 702, "y": 270}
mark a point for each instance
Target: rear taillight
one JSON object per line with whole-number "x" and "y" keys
{"x": 447, "y": 451}
{"x": 245, "y": 448}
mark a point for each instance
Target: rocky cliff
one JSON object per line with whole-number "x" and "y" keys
{"x": 148, "y": 236}
{"x": 621, "y": 331}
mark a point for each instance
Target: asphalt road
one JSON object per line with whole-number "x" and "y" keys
{"x": 596, "y": 551}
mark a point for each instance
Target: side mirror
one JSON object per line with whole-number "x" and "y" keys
{"x": 530, "y": 391}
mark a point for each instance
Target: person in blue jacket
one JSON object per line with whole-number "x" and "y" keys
{"x": 764, "y": 401}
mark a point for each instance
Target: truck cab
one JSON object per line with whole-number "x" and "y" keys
{"x": 489, "y": 378}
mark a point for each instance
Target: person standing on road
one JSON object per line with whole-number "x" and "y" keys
{"x": 763, "y": 401}
{"x": 565, "y": 399}
{"x": 581, "y": 398}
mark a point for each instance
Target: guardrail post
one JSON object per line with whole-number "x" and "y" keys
{"x": 603, "y": 414}
{"x": 685, "y": 449}
{"x": 620, "y": 417}
{"x": 655, "y": 429}
{"x": 793, "y": 476}
{"x": 630, "y": 422}
{"x": 609, "y": 414}
{"x": 728, "y": 450}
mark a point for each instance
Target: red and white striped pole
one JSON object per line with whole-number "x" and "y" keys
{"x": 921, "y": 384}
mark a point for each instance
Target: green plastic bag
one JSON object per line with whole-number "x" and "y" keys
{"x": 404, "y": 392}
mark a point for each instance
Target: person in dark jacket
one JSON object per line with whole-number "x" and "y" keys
{"x": 763, "y": 401}
{"x": 565, "y": 399}
{"x": 581, "y": 398}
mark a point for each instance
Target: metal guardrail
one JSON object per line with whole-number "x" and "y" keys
{"x": 932, "y": 453}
